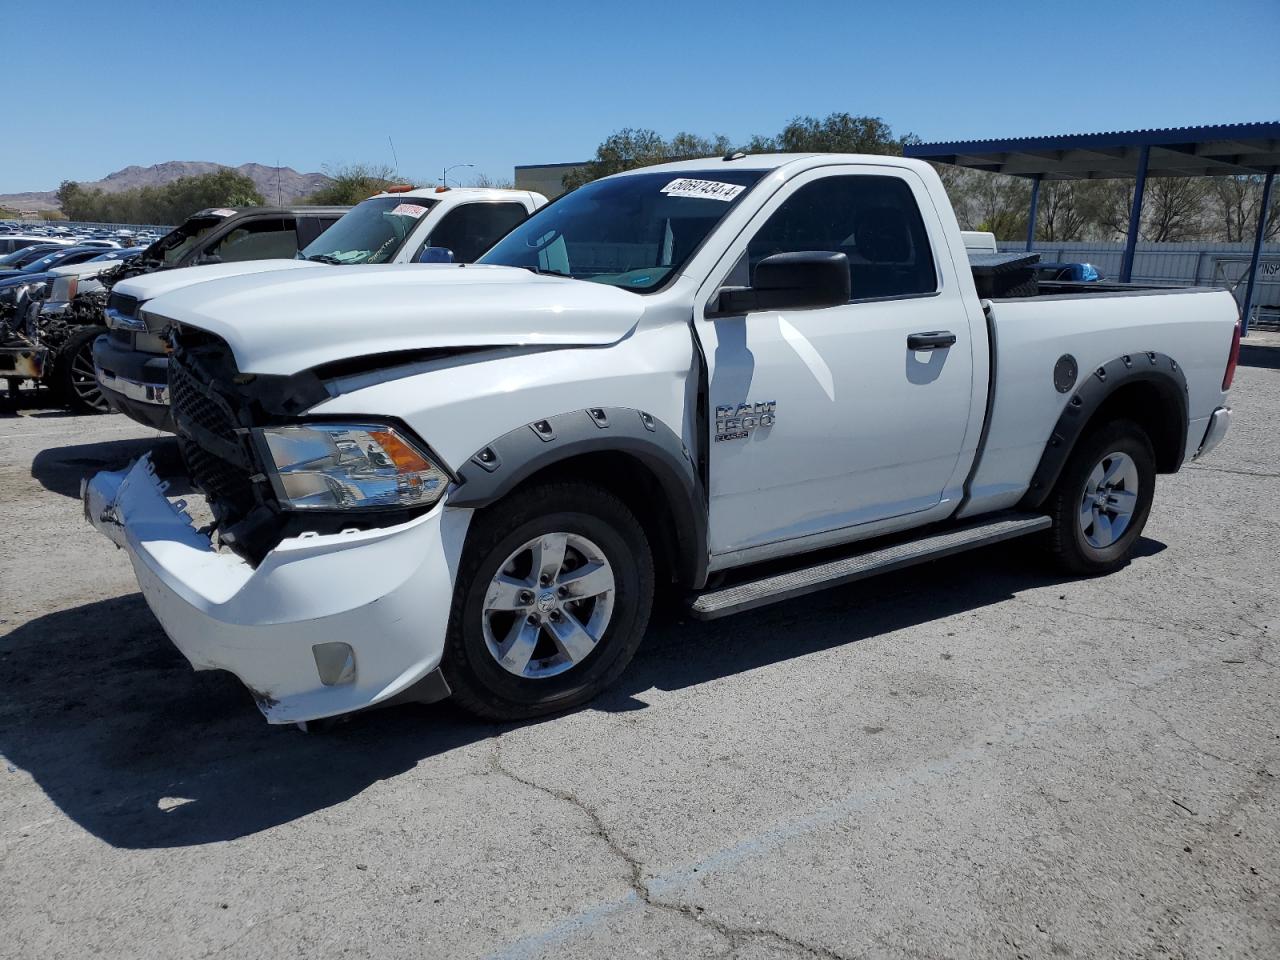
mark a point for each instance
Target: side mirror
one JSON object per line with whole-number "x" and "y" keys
{"x": 807, "y": 278}
{"x": 435, "y": 255}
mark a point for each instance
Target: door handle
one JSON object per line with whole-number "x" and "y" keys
{"x": 932, "y": 340}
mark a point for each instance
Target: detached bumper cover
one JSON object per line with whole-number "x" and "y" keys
{"x": 1219, "y": 423}
{"x": 384, "y": 593}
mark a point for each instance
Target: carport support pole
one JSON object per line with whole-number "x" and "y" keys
{"x": 1135, "y": 216}
{"x": 1035, "y": 205}
{"x": 1257, "y": 253}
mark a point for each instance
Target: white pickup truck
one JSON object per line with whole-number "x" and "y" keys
{"x": 471, "y": 479}
{"x": 401, "y": 225}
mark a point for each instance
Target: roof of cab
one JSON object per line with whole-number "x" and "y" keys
{"x": 301, "y": 208}
{"x": 773, "y": 161}
{"x": 436, "y": 193}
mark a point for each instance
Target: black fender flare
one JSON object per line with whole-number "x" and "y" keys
{"x": 504, "y": 463}
{"x": 1090, "y": 394}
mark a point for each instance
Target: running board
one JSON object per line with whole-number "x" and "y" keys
{"x": 721, "y": 602}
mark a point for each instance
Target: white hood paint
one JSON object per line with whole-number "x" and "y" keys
{"x": 283, "y": 322}
{"x": 151, "y": 285}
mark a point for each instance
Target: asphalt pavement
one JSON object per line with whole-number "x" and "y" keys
{"x": 978, "y": 758}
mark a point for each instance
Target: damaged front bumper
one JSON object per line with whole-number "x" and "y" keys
{"x": 326, "y": 624}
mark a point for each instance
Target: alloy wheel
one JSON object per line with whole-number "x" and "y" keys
{"x": 1109, "y": 500}
{"x": 84, "y": 380}
{"x": 548, "y": 606}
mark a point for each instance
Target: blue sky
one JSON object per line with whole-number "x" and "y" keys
{"x": 322, "y": 84}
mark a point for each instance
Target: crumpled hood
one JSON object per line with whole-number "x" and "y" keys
{"x": 284, "y": 322}
{"x": 151, "y": 285}
{"x": 90, "y": 268}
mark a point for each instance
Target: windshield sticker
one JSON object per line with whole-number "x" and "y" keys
{"x": 222, "y": 212}
{"x": 702, "y": 189}
{"x": 408, "y": 210}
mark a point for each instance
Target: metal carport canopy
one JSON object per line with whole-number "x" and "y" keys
{"x": 1223, "y": 150}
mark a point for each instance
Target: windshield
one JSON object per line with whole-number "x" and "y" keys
{"x": 117, "y": 254}
{"x": 370, "y": 232}
{"x": 27, "y": 255}
{"x": 177, "y": 243}
{"x": 65, "y": 255}
{"x": 17, "y": 258}
{"x": 632, "y": 232}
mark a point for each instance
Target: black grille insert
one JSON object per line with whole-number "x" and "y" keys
{"x": 214, "y": 445}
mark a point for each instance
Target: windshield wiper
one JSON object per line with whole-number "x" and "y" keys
{"x": 324, "y": 258}
{"x": 540, "y": 271}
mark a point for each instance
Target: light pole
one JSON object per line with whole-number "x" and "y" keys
{"x": 444, "y": 177}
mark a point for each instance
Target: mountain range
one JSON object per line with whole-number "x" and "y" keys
{"x": 284, "y": 183}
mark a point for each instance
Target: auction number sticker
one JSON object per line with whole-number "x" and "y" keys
{"x": 408, "y": 210}
{"x": 222, "y": 212}
{"x": 702, "y": 189}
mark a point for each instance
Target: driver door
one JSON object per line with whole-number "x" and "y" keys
{"x": 825, "y": 425}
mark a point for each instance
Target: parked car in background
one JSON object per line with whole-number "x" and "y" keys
{"x": 56, "y": 257}
{"x": 749, "y": 378}
{"x": 401, "y": 226}
{"x": 979, "y": 241}
{"x": 12, "y": 242}
{"x": 24, "y": 255}
{"x": 58, "y": 345}
{"x": 86, "y": 273}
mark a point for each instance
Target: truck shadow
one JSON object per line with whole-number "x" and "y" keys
{"x": 144, "y": 753}
{"x": 60, "y": 469}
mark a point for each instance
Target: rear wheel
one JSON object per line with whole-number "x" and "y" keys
{"x": 1103, "y": 499}
{"x": 74, "y": 376}
{"x": 553, "y": 597}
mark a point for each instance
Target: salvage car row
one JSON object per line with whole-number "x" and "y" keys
{"x": 65, "y": 325}
{"x": 738, "y": 380}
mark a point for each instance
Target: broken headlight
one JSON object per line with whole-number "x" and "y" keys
{"x": 349, "y": 466}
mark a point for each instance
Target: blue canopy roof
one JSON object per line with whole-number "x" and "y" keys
{"x": 1212, "y": 151}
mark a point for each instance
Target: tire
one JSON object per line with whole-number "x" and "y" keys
{"x": 1096, "y": 525}
{"x": 73, "y": 375}
{"x": 503, "y": 665}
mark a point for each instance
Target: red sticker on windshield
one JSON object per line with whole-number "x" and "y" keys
{"x": 408, "y": 210}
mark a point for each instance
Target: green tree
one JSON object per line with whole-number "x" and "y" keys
{"x": 1001, "y": 205}
{"x": 350, "y": 184}
{"x": 492, "y": 183}
{"x": 629, "y": 148}
{"x": 834, "y": 133}
{"x": 1060, "y": 215}
{"x": 171, "y": 203}
{"x": 1233, "y": 205}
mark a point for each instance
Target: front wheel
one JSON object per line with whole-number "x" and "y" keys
{"x": 74, "y": 376}
{"x": 1103, "y": 499}
{"x": 553, "y": 596}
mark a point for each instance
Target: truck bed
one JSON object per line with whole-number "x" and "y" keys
{"x": 1091, "y": 327}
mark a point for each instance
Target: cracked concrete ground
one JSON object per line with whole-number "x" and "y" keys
{"x": 974, "y": 759}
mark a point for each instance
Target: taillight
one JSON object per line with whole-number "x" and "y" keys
{"x": 1232, "y": 359}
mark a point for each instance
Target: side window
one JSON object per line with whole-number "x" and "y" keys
{"x": 311, "y": 227}
{"x": 471, "y": 229}
{"x": 257, "y": 240}
{"x": 874, "y": 221}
